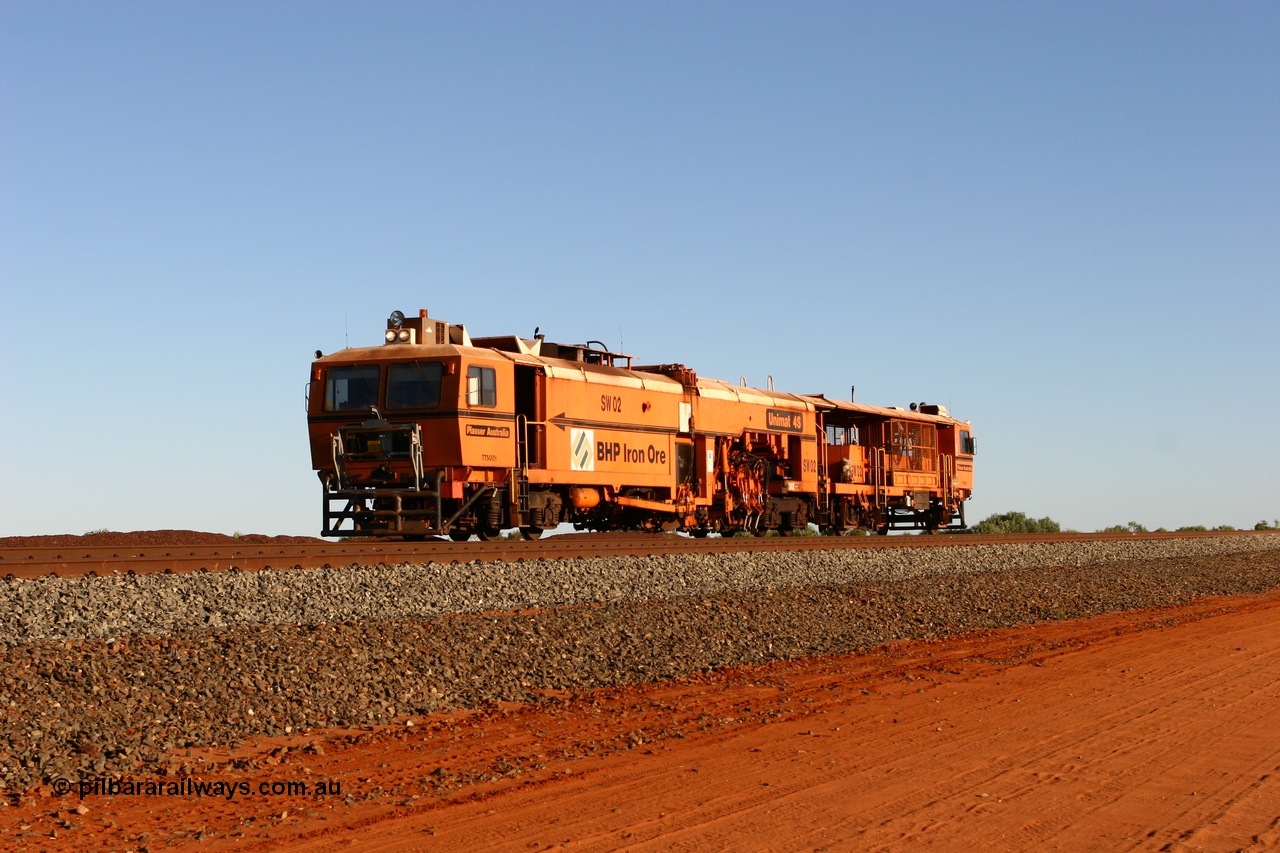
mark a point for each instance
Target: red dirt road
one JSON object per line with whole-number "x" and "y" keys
{"x": 1154, "y": 730}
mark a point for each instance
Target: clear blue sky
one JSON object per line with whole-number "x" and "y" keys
{"x": 1060, "y": 220}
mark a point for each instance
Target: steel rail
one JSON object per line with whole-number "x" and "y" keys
{"x": 70, "y": 561}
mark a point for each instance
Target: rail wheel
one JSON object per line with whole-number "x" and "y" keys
{"x": 699, "y": 532}
{"x": 459, "y": 535}
{"x": 531, "y": 532}
{"x": 487, "y": 534}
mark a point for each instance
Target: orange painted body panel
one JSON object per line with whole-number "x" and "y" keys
{"x": 605, "y": 434}
{"x": 487, "y": 434}
{"x": 785, "y": 422}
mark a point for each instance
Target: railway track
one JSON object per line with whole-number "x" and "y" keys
{"x": 79, "y": 561}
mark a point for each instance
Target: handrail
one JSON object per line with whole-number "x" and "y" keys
{"x": 522, "y": 443}
{"x": 881, "y": 477}
{"x": 335, "y": 442}
{"x": 948, "y": 479}
{"x": 824, "y": 480}
{"x": 415, "y": 456}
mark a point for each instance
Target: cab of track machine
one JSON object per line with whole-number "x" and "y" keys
{"x": 403, "y": 433}
{"x": 892, "y": 468}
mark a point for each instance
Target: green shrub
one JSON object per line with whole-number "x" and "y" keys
{"x": 1015, "y": 522}
{"x": 1192, "y": 528}
{"x": 1131, "y": 527}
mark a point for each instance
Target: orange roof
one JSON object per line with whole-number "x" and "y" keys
{"x": 822, "y": 403}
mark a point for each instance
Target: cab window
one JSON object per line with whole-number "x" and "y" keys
{"x": 967, "y": 444}
{"x": 414, "y": 385}
{"x": 482, "y": 388}
{"x": 351, "y": 387}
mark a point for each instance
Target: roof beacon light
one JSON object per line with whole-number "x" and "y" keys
{"x": 397, "y": 318}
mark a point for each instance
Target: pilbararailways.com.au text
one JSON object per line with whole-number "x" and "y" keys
{"x": 191, "y": 787}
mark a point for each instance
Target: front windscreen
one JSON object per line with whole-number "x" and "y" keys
{"x": 414, "y": 385}
{"x": 352, "y": 387}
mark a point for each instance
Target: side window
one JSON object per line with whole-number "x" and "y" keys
{"x": 841, "y": 435}
{"x": 967, "y": 444}
{"x": 352, "y": 387}
{"x": 482, "y": 388}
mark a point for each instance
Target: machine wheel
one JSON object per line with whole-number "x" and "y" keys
{"x": 487, "y": 535}
{"x": 530, "y": 532}
{"x": 699, "y": 532}
{"x": 459, "y": 535}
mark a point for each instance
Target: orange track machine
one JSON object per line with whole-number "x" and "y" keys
{"x": 436, "y": 433}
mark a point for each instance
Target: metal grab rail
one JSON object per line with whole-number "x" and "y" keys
{"x": 824, "y": 477}
{"x": 880, "y": 476}
{"x": 336, "y": 448}
{"x": 415, "y": 457}
{"x": 522, "y": 442}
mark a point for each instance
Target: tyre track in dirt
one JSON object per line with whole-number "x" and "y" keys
{"x": 1122, "y": 736}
